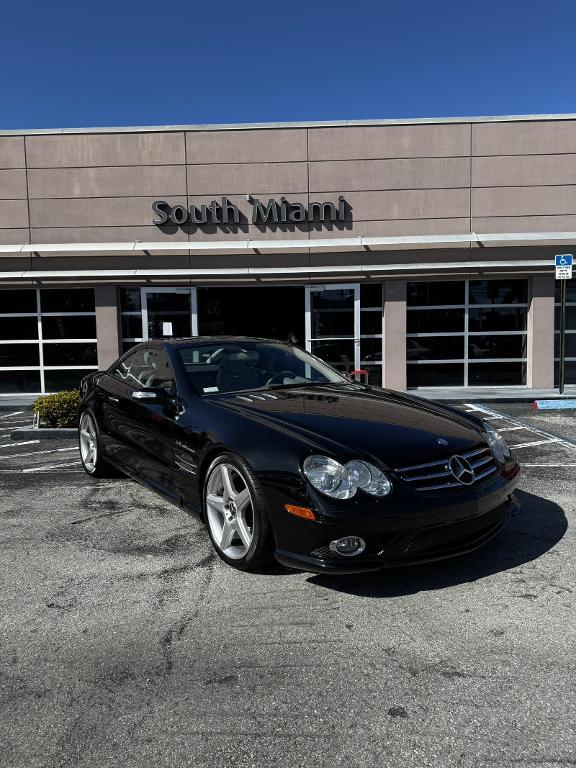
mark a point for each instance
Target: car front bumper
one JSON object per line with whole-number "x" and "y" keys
{"x": 388, "y": 546}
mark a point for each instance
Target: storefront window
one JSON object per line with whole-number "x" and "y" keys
{"x": 570, "y": 367}
{"x": 47, "y": 339}
{"x": 371, "y": 331}
{"x": 19, "y": 382}
{"x": 130, "y": 317}
{"x": 65, "y": 301}
{"x": 467, "y": 333}
{"x": 18, "y": 302}
{"x": 69, "y": 327}
{"x": 19, "y": 328}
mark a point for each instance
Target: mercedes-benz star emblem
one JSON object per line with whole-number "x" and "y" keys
{"x": 461, "y": 470}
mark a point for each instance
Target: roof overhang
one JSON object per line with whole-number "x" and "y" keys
{"x": 339, "y": 244}
{"x": 473, "y": 242}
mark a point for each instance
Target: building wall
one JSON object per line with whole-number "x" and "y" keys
{"x": 398, "y": 179}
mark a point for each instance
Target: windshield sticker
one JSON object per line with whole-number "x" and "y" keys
{"x": 207, "y": 390}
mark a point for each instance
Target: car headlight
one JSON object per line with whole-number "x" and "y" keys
{"x": 341, "y": 481}
{"x": 369, "y": 478}
{"x": 496, "y": 443}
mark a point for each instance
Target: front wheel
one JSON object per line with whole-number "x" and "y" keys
{"x": 90, "y": 450}
{"x": 236, "y": 513}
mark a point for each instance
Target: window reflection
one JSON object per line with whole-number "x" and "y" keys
{"x": 435, "y": 320}
{"x": 18, "y": 328}
{"x": 436, "y": 375}
{"x": 496, "y": 374}
{"x": 67, "y": 300}
{"x": 130, "y": 300}
{"x": 505, "y": 319}
{"x": 498, "y": 291}
{"x": 429, "y": 294}
{"x": 70, "y": 354}
{"x": 15, "y": 355}
{"x": 489, "y": 347}
{"x": 430, "y": 348}
{"x": 69, "y": 327}
{"x": 15, "y": 382}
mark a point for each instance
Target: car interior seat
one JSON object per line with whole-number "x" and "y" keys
{"x": 235, "y": 372}
{"x": 158, "y": 381}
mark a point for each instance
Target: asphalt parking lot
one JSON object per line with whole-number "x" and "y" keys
{"x": 127, "y": 642}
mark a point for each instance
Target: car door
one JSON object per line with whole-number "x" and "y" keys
{"x": 140, "y": 427}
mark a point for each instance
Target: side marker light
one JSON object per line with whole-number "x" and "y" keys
{"x": 304, "y": 512}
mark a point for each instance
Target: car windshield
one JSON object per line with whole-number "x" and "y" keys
{"x": 235, "y": 366}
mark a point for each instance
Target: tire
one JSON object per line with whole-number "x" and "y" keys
{"x": 90, "y": 448}
{"x": 236, "y": 514}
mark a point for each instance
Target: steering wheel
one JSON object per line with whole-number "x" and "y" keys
{"x": 279, "y": 377}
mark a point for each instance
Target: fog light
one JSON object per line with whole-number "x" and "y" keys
{"x": 348, "y": 546}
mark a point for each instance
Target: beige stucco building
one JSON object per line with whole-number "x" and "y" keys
{"x": 420, "y": 251}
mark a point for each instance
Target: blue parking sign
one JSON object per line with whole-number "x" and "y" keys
{"x": 564, "y": 260}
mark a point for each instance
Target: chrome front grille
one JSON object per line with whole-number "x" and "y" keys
{"x": 437, "y": 476}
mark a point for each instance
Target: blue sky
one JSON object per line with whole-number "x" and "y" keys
{"x": 131, "y": 62}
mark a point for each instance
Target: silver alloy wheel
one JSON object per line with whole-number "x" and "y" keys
{"x": 88, "y": 445}
{"x": 229, "y": 511}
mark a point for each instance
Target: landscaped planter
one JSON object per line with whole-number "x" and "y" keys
{"x": 55, "y": 417}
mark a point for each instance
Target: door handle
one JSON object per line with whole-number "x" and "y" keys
{"x": 112, "y": 399}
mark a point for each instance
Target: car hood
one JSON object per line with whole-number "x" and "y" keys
{"x": 350, "y": 420}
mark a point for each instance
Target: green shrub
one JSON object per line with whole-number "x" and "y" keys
{"x": 59, "y": 410}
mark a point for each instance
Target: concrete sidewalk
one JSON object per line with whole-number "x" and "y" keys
{"x": 493, "y": 394}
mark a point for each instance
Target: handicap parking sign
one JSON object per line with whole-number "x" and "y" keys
{"x": 563, "y": 263}
{"x": 564, "y": 260}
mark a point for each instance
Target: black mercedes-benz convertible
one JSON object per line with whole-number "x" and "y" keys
{"x": 282, "y": 456}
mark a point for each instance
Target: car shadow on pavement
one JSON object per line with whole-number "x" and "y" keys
{"x": 537, "y": 528}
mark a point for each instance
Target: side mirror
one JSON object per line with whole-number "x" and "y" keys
{"x": 160, "y": 396}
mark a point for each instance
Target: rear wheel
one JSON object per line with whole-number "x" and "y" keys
{"x": 90, "y": 450}
{"x": 236, "y": 513}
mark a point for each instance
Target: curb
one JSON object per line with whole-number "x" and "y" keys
{"x": 44, "y": 433}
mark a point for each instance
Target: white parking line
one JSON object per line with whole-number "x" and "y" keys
{"x": 517, "y": 423}
{"x": 39, "y": 469}
{"x": 38, "y": 453}
{"x": 7, "y": 415}
{"x": 51, "y": 466}
{"x": 536, "y": 442}
{"x": 509, "y": 429}
{"x": 24, "y": 442}
{"x": 547, "y": 465}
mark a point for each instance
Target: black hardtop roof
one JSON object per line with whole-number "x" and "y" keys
{"x": 191, "y": 340}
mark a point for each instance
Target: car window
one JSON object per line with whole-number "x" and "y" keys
{"x": 146, "y": 368}
{"x": 221, "y": 367}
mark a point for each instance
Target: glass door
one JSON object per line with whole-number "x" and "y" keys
{"x": 169, "y": 313}
{"x": 333, "y": 324}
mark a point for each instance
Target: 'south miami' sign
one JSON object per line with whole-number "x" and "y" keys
{"x": 271, "y": 212}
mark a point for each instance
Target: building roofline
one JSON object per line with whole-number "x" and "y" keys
{"x": 296, "y": 124}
